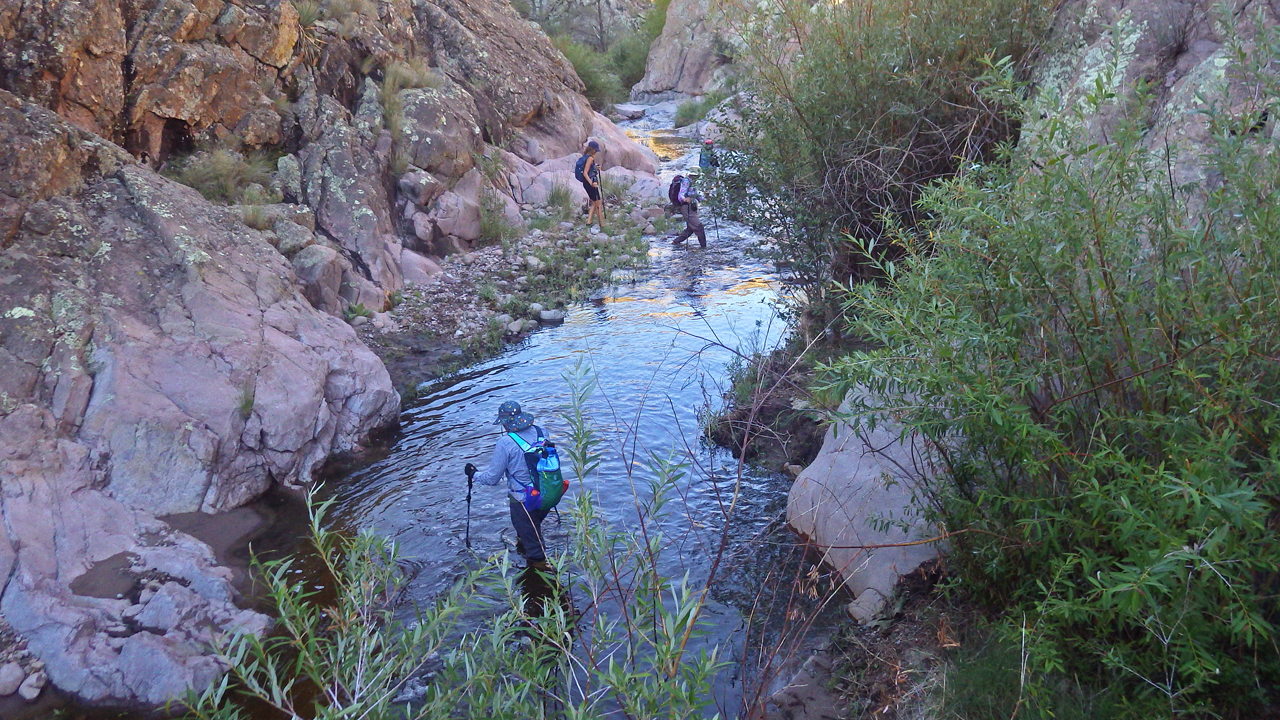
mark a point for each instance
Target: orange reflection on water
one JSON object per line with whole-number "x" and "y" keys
{"x": 749, "y": 286}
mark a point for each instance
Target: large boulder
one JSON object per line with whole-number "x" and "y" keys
{"x": 417, "y": 268}
{"x": 340, "y": 182}
{"x": 539, "y": 190}
{"x": 457, "y": 215}
{"x": 687, "y": 58}
{"x": 319, "y": 269}
{"x": 855, "y": 504}
{"x": 619, "y": 150}
{"x": 440, "y": 133}
{"x": 156, "y": 357}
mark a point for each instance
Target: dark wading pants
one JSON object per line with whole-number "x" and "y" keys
{"x": 528, "y": 525}
{"x": 691, "y": 225}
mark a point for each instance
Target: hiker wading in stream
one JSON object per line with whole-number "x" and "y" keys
{"x": 509, "y": 460}
{"x": 685, "y": 198}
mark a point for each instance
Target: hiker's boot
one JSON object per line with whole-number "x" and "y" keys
{"x": 540, "y": 566}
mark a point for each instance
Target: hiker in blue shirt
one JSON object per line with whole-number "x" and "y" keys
{"x": 509, "y": 461}
{"x": 707, "y": 158}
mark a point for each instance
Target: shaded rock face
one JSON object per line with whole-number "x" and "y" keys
{"x": 175, "y": 68}
{"x": 686, "y": 58}
{"x": 858, "y": 493}
{"x": 1179, "y": 48}
{"x": 156, "y": 356}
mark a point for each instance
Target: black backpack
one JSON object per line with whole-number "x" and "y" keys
{"x": 579, "y": 170}
{"x": 673, "y": 190}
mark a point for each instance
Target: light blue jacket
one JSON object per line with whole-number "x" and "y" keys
{"x": 508, "y": 460}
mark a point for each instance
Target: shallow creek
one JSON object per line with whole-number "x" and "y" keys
{"x": 652, "y": 346}
{"x": 654, "y": 343}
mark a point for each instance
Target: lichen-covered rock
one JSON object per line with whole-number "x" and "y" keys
{"x": 156, "y": 357}
{"x": 207, "y": 72}
{"x": 440, "y": 133}
{"x": 340, "y": 182}
{"x": 1178, "y": 49}
{"x": 319, "y": 269}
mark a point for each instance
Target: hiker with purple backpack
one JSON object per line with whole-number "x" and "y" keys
{"x": 684, "y": 197}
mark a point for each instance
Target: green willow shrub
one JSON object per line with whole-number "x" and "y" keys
{"x": 628, "y": 57}
{"x": 1092, "y": 353}
{"x": 630, "y": 54}
{"x": 692, "y": 111}
{"x": 854, "y": 107}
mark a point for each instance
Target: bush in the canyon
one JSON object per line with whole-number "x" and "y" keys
{"x": 692, "y": 111}
{"x": 560, "y": 200}
{"x": 494, "y": 226}
{"x": 602, "y": 85}
{"x": 1092, "y": 352}
{"x": 628, "y": 57}
{"x": 855, "y": 108}
{"x": 224, "y": 176}
{"x": 630, "y": 53}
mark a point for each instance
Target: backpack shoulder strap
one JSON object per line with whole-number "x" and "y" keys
{"x": 523, "y": 445}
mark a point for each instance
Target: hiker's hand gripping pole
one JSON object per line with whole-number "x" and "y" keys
{"x": 470, "y": 470}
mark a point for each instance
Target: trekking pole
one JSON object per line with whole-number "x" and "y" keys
{"x": 469, "y": 482}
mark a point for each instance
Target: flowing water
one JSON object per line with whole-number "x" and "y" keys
{"x": 660, "y": 347}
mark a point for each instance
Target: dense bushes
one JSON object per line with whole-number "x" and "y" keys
{"x": 691, "y": 111}
{"x": 856, "y": 106}
{"x": 603, "y": 87}
{"x": 609, "y": 75}
{"x": 1094, "y": 353}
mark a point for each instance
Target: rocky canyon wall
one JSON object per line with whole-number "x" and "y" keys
{"x": 160, "y": 353}
{"x": 688, "y": 58}
{"x": 156, "y": 357}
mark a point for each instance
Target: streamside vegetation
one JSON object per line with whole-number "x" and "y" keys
{"x": 611, "y": 57}
{"x": 855, "y": 108}
{"x": 1091, "y": 350}
{"x": 349, "y": 644}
